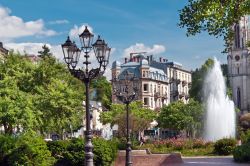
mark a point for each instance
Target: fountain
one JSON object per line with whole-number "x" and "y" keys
{"x": 220, "y": 119}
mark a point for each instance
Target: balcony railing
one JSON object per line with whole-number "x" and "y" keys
{"x": 184, "y": 83}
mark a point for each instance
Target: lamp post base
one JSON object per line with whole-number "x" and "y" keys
{"x": 128, "y": 154}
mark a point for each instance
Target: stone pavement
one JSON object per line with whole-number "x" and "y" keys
{"x": 210, "y": 161}
{"x": 141, "y": 158}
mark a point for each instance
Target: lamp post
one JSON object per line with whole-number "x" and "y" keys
{"x": 125, "y": 89}
{"x": 71, "y": 57}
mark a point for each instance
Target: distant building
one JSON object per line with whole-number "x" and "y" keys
{"x": 3, "y": 51}
{"x": 160, "y": 82}
{"x": 33, "y": 58}
{"x": 239, "y": 65}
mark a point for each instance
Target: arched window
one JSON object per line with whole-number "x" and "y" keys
{"x": 237, "y": 36}
{"x": 238, "y": 98}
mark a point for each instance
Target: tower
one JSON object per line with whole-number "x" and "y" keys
{"x": 239, "y": 66}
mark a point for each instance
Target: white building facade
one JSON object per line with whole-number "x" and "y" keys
{"x": 239, "y": 66}
{"x": 160, "y": 82}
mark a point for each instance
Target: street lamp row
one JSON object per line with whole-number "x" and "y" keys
{"x": 71, "y": 56}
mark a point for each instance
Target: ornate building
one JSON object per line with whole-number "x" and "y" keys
{"x": 160, "y": 82}
{"x": 239, "y": 66}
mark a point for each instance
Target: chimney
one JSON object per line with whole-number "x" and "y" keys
{"x": 126, "y": 60}
{"x": 160, "y": 59}
{"x": 148, "y": 58}
{"x": 151, "y": 58}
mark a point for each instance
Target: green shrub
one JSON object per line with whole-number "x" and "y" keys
{"x": 71, "y": 152}
{"x": 7, "y": 144}
{"x": 57, "y": 147}
{"x": 245, "y": 137}
{"x": 120, "y": 142}
{"x": 225, "y": 146}
{"x": 105, "y": 152}
{"x": 30, "y": 150}
{"x": 242, "y": 153}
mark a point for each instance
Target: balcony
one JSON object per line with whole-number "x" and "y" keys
{"x": 187, "y": 97}
{"x": 157, "y": 95}
{"x": 182, "y": 94}
{"x": 174, "y": 80}
{"x": 184, "y": 83}
{"x": 164, "y": 96}
{"x": 174, "y": 93}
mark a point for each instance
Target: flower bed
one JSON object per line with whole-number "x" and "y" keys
{"x": 188, "y": 147}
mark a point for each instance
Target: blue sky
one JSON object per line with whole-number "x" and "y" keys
{"x": 127, "y": 26}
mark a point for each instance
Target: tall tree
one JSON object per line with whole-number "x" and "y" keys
{"x": 214, "y": 16}
{"x": 140, "y": 117}
{"x": 16, "y": 109}
{"x": 42, "y": 96}
{"x": 59, "y": 96}
{"x": 101, "y": 89}
{"x": 182, "y": 117}
{"x": 198, "y": 77}
{"x": 45, "y": 52}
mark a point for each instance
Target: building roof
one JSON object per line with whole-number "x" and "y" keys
{"x": 2, "y": 49}
{"x": 116, "y": 64}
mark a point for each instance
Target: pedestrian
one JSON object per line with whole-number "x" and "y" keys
{"x": 142, "y": 141}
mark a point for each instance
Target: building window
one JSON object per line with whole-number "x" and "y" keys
{"x": 237, "y": 36}
{"x": 152, "y": 102}
{"x": 145, "y": 87}
{"x": 145, "y": 101}
{"x": 143, "y": 73}
{"x": 238, "y": 98}
{"x": 238, "y": 70}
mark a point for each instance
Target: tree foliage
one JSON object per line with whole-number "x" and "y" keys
{"x": 101, "y": 89}
{"x": 214, "y": 16}
{"x": 198, "y": 77}
{"x": 140, "y": 118}
{"x": 38, "y": 96}
{"x": 179, "y": 116}
{"x": 45, "y": 52}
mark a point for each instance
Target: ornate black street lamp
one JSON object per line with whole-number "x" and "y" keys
{"x": 71, "y": 56}
{"x": 125, "y": 89}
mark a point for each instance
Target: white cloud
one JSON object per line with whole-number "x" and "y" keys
{"x": 76, "y": 30}
{"x": 140, "y": 47}
{"x": 59, "y": 22}
{"x": 33, "y": 48}
{"x": 14, "y": 27}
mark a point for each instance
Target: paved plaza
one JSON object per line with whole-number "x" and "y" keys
{"x": 211, "y": 161}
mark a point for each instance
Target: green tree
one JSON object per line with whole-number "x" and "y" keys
{"x": 140, "y": 117}
{"x": 45, "y": 52}
{"x": 59, "y": 97}
{"x": 42, "y": 96}
{"x": 182, "y": 117}
{"x": 198, "y": 77}
{"x": 16, "y": 107}
{"x": 214, "y": 16}
{"x": 101, "y": 89}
